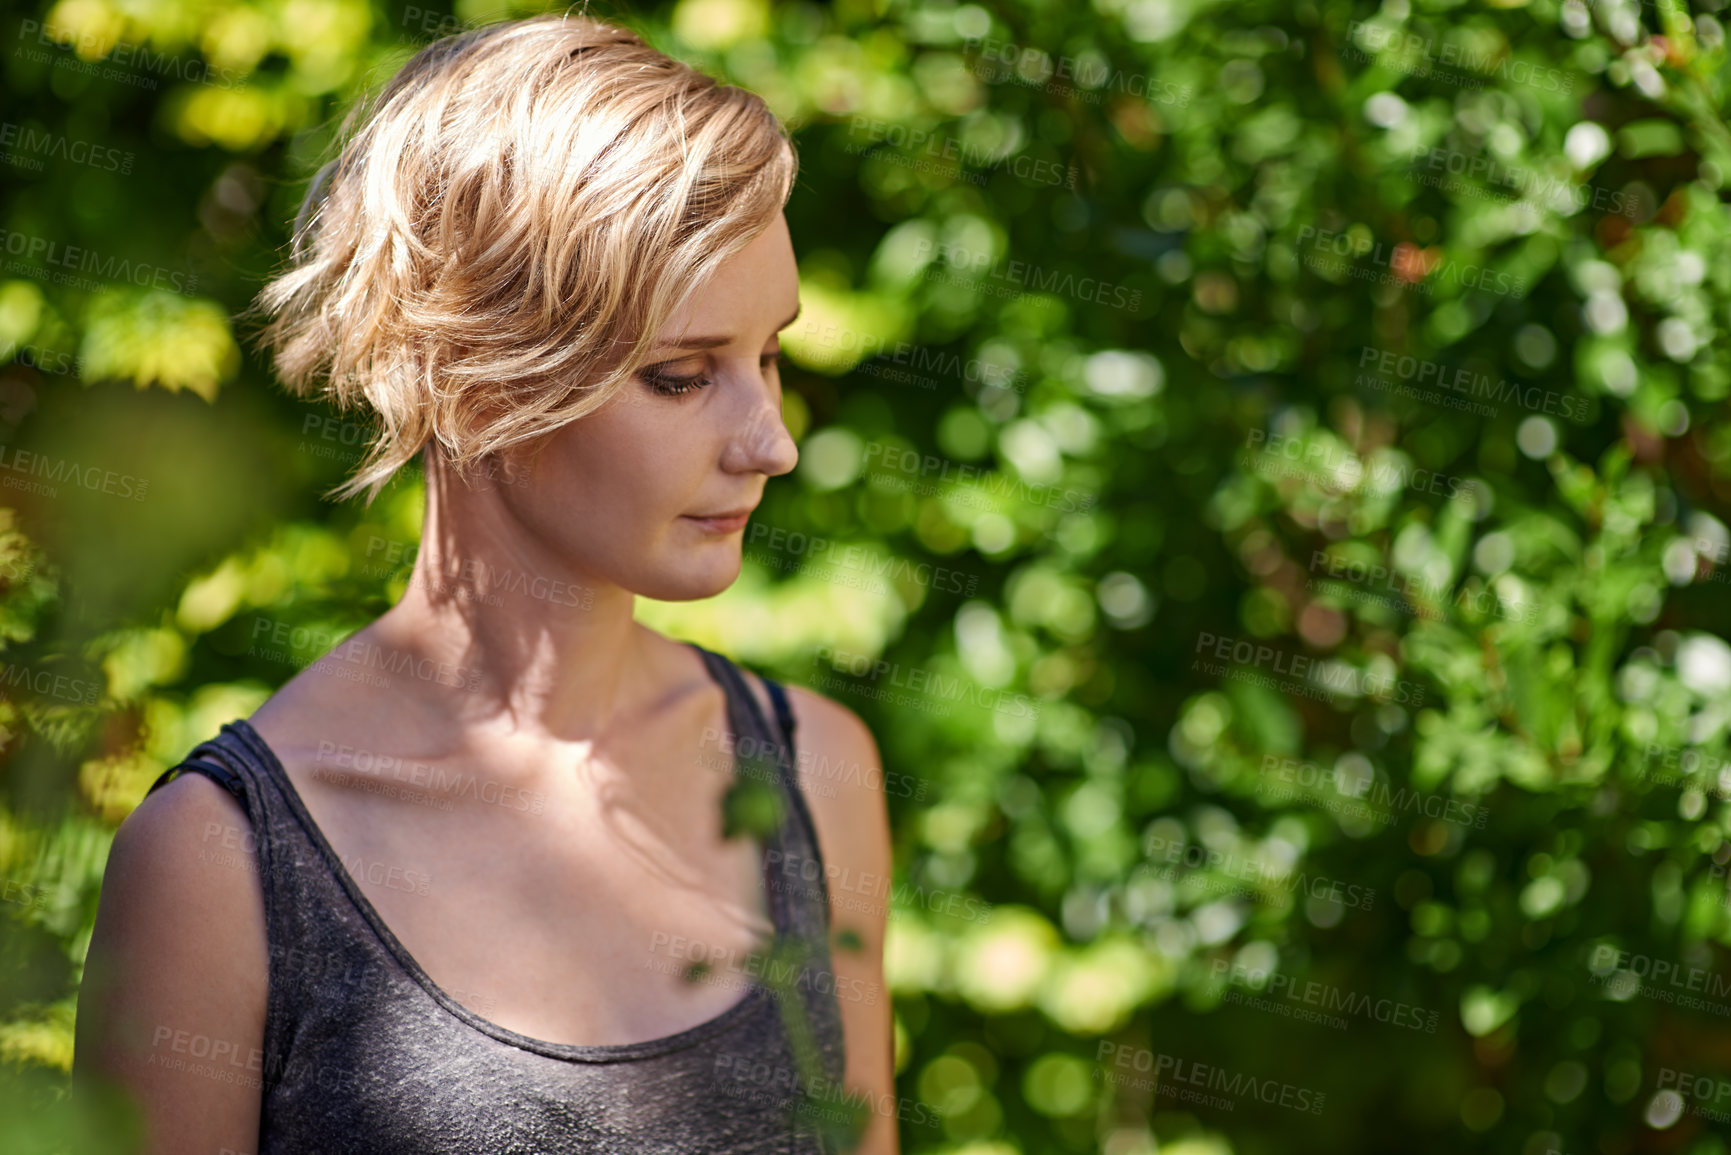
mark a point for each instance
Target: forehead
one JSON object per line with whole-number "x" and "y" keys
{"x": 750, "y": 295}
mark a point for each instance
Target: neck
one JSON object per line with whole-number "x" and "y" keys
{"x": 507, "y": 630}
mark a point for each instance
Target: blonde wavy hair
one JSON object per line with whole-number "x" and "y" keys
{"x": 493, "y": 252}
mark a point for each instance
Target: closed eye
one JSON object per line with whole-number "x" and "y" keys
{"x": 676, "y": 385}
{"x": 670, "y": 384}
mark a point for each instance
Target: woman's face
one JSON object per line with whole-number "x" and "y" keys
{"x": 631, "y": 494}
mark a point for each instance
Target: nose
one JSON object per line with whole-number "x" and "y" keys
{"x": 762, "y": 443}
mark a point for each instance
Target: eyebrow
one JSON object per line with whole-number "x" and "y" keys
{"x": 712, "y": 342}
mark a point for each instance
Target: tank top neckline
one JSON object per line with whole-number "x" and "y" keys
{"x": 575, "y": 1052}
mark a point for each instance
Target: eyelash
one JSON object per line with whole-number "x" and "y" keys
{"x": 679, "y": 386}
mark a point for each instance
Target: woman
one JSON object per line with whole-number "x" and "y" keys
{"x": 447, "y": 889}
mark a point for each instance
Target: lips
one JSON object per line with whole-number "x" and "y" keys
{"x": 727, "y": 522}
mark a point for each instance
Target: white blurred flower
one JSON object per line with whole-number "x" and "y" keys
{"x": 1677, "y": 339}
{"x": 1385, "y": 110}
{"x": 1536, "y": 437}
{"x": 1704, "y": 664}
{"x": 1124, "y": 373}
{"x": 1709, "y": 537}
{"x": 1605, "y": 312}
{"x": 1586, "y": 144}
{"x": 1646, "y": 78}
{"x": 1617, "y": 370}
{"x": 1216, "y": 922}
{"x": 1664, "y": 1109}
{"x": 1679, "y": 561}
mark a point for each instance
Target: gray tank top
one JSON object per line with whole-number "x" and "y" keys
{"x": 364, "y": 1054}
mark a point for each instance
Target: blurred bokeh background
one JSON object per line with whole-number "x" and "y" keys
{"x": 1263, "y": 480}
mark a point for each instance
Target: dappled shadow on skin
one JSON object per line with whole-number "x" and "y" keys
{"x": 634, "y": 825}
{"x": 652, "y": 846}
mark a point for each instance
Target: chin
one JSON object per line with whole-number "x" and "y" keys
{"x": 692, "y": 582}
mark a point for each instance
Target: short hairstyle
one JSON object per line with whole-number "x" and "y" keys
{"x": 495, "y": 249}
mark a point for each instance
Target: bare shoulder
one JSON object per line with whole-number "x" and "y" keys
{"x": 178, "y": 954}
{"x": 174, "y": 836}
{"x": 825, "y": 726}
{"x": 182, "y": 880}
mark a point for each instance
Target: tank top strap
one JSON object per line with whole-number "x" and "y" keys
{"x": 795, "y": 845}
{"x": 740, "y": 699}
{"x": 224, "y": 776}
{"x": 231, "y": 763}
{"x": 783, "y": 714}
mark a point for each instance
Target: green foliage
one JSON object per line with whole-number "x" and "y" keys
{"x": 751, "y": 807}
{"x": 1288, "y": 440}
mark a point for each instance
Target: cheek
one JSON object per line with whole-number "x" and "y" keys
{"x": 645, "y": 467}
{"x": 628, "y": 468}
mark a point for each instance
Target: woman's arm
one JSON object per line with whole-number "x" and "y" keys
{"x": 172, "y": 1005}
{"x": 853, "y": 833}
